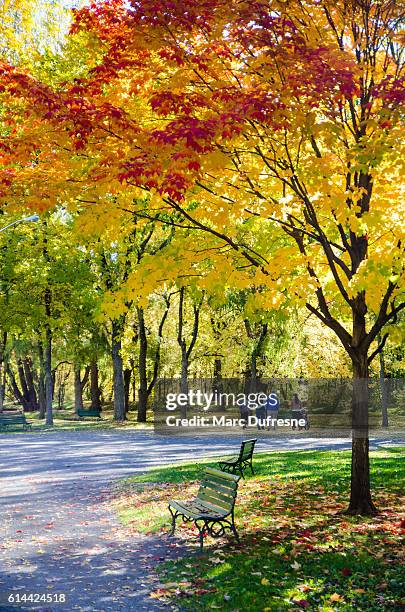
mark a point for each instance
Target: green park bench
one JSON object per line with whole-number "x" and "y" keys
{"x": 88, "y": 412}
{"x": 212, "y": 511}
{"x": 241, "y": 461}
{"x": 14, "y": 420}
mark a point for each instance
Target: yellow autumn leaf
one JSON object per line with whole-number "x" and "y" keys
{"x": 265, "y": 581}
{"x": 336, "y": 597}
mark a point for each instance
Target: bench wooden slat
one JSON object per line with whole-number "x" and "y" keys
{"x": 211, "y": 499}
{"x": 206, "y": 506}
{"x": 190, "y": 510}
{"x": 203, "y": 505}
{"x": 222, "y": 490}
{"x": 247, "y": 450}
{"x": 221, "y": 485}
{"x": 222, "y": 475}
{"x": 210, "y": 488}
{"x": 205, "y": 490}
{"x": 226, "y": 484}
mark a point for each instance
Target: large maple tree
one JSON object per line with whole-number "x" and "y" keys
{"x": 269, "y": 119}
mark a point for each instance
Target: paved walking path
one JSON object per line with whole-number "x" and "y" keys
{"x": 58, "y": 533}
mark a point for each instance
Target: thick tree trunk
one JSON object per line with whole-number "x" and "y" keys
{"x": 118, "y": 375}
{"x": 95, "y": 392}
{"x": 143, "y": 380}
{"x": 360, "y": 494}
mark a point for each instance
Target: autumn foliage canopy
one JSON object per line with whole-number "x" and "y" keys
{"x": 273, "y": 126}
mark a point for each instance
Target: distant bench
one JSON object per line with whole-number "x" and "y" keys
{"x": 14, "y": 420}
{"x": 240, "y": 462}
{"x": 88, "y": 412}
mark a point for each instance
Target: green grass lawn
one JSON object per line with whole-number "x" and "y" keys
{"x": 66, "y": 420}
{"x": 297, "y": 552}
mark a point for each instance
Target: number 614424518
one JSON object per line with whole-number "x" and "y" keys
{"x": 36, "y": 597}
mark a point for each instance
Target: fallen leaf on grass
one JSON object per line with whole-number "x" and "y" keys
{"x": 304, "y": 588}
{"x": 303, "y": 603}
{"x": 336, "y": 597}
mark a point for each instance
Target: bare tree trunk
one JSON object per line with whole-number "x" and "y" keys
{"x": 143, "y": 379}
{"x": 79, "y": 385}
{"x": 127, "y": 387}
{"x": 360, "y": 493}
{"x": 217, "y": 373}
{"x": 145, "y": 388}
{"x": 23, "y": 384}
{"x": 3, "y": 386}
{"x": 259, "y": 336}
{"x": 62, "y": 390}
{"x": 16, "y": 391}
{"x": 95, "y": 392}
{"x": 78, "y": 390}
{"x": 383, "y": 388}
{"x": 41, "y": 382}
{"x": 3, "y": 368}
{"x": 48, "y": 378}
{"x": 186, "y": 351}
{"x": 29, "y": 377}
{"x": 184, "y": 368}
{"x": 118, "y": 376}
{"x": 133, "y": 379}
{"x": 49, "y": 382}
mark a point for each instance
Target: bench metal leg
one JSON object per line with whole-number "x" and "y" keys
{"x": 201, "y": 529}
{"x": 174, "y": 516}
{"x": 235, "y": 533}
